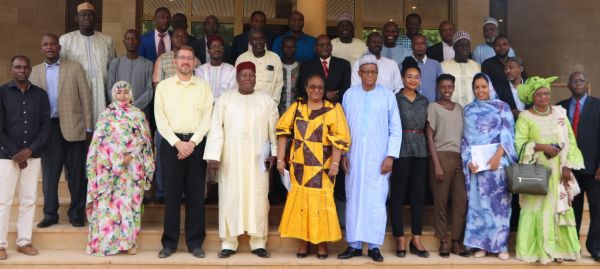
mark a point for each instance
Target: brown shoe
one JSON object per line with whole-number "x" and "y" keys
{"x": 444, "y": 249}
{"x": 3, "y": 255}
{"x": 458, "y": 249}
{"x": 27, "y": 250}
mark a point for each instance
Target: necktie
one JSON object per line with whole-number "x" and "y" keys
{"x": 576, "y": 117}
{"x": 161, "y": 44}
{"x": 325, "y": 69}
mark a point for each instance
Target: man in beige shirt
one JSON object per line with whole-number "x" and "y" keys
{"x": 182, "y": 108}
{"x": 269, "y": 71}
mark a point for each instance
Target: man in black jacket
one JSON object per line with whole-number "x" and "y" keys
{"x": 584, "y": 115}
{"x": 443, "y": 50}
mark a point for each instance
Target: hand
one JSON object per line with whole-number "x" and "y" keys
{"x": 331, "y": 96}
{"x": 22, "y": 165}
{"x": 597, "y": 177}
{"x": 88, "y": 136}
{"x": 494, "y": 162}
{"x": 550, "y": 151}
{"x": 213, "y": 165}
{"x": 439, "y": 173}
{"x": 515, "y": 113}
{"x": 22, "y": 155}
{"x": 270, "y": 162}
{"x": 346, "y": 164}
{"x": 386, "y": 166}
{"x": 565, "y": 176}
{"x": 334, "y": 169}
{"x": 185, "y": 149}
{"x": 473, "y": 167}
{"x": 127, "y": 159}
{"x": 281, "y": 167}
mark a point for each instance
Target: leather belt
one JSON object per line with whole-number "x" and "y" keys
{"x": 413, "y": 131}
{"x": 185, "y": 137}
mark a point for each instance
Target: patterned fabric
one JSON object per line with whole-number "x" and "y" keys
{"x": 290, "y": 89}
{"x": 114, "y": 196}
{"x": 414, "y": 116}
{"x": 489, "y": 209}
{"x": 404, "y": 41}
{"x": 310, "y": 212}
{"x": 543, "y": 234}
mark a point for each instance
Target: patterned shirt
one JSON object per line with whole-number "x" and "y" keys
{"x": 414, "y": 116}
{"x": 406, "y": 42}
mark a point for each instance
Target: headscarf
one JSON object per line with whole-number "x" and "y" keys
{"x": 527, "y": 89}
{"x": 120, "y": 85}
{"x": 493, "y": 94}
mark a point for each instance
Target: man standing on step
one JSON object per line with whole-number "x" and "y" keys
{"x": 24, "y": 128}
{"x": 374, "y": 122}
{"x": 241, "y": 146}
{"x": 70, "y": 126}
{"x": 182, "y": 108}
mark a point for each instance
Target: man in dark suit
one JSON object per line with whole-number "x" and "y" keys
{"x": 584, "y": 115}
{"x": 336, "y": 71}
{"x": 443, "y": 50}
{"x": 154, "y": 43}
{"x": 258, "y": 20}
{"x": 211, "y": 28}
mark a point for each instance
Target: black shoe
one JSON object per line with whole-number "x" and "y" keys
{"x": 160, "y": 200}
{"x": 197, "y": 252}
{"x": 165, "y": 253}
{"x": 305, "y": 253}
{"x": 322, "y": 256}
{"x": 375, "y": 255}
{"x": 349, "y": 253}
{"x": 261, "y": 252}
{"x": 421, "y": 253}
{"x": 597, "y": 259}
{"x": 77, "y": 223}
{"x": 401, "y": 253}
{"x": 46, "y": 223}
{"x": 226, "y": 253}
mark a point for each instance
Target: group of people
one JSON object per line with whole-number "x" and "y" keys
{"x": 354, "y": 128}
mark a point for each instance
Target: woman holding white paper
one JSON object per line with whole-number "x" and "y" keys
{"x": 547, "y": 223}
{"x": 320, "y": 134}
{"x": 487, "y": 121}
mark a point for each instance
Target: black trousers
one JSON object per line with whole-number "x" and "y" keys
{"x": 58, "y": 153}
{"x": 183, "y": 176}
{"x": 408, "y": 175}
{"x": 591, "y": 186}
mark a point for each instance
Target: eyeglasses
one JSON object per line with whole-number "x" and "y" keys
{"x": 315, "y": 87}
{"x": 184, "y": 58}
{"x": 577, "y": 81}
{"x": 370, "y": 72}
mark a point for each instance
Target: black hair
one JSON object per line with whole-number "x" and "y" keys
{"x": 408, "y": 63}
{"x": 51, "y": 35}
{"x": 479, "y": 76}
{"x": 443, "y": 77}
{"x": 162, "y": 9}
{"x": 501, "y": 36}
{"x": 412, "y": 15}
{"x": 288, "y": 38}
{"x": 258, "y": 12}
{"x": 418, "y": 35}
{"x": 12, "y": 60}
{"x": 374, "y": 34}
{"x": 517, "y": 60}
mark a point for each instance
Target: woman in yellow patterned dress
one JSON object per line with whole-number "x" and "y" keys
{"x": 319, "y": 134}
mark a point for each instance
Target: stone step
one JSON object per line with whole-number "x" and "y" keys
{"x": 52, "y": 259}
{"x": 65, "y": 237}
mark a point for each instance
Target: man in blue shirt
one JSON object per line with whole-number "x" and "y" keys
{"x": 305, "y": 44}
{"x": 391, "y": 49}
{"x": 430, "y": 68}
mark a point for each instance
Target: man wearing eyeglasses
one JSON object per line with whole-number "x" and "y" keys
{"x": 182, "y": 108}
{"x": 389, "y": 73}
{"x": 584, "y": 116}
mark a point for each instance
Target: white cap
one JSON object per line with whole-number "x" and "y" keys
{"x": 491, "y": 20}
{"x": 367, "y": 58}
{"x": 460, "y": 35}
{"x": 345, "y": 17}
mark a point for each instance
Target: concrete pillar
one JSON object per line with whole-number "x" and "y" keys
{"x": 315, "y": 16}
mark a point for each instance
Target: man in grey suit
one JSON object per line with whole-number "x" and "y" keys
{"x": 71, "y": 125}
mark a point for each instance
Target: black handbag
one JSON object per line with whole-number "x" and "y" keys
{"x": 526, "y": 178}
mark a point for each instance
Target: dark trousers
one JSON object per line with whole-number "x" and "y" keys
{"x": 58, "y": 153}
{"x": 408, "y": 174}
{"x": 183, "y": 176}
{"x": 452, "y": 188}
{"x": 591, "y": 186}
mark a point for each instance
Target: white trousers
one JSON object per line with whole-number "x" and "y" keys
{"x": 27, "y": 180}
{"x": 231, "y": 242}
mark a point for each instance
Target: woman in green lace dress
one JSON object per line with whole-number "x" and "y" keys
{"x": 546, "y": 229}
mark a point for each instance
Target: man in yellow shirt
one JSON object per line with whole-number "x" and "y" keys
{"x": 182, "y": 108}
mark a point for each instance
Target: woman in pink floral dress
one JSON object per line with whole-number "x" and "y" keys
{"x": 120, "y": 165}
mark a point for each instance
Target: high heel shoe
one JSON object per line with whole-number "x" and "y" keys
{"x": 303, "y": 254}
{"x": 321, "y": 255}
{"x": 414, "y": 250}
